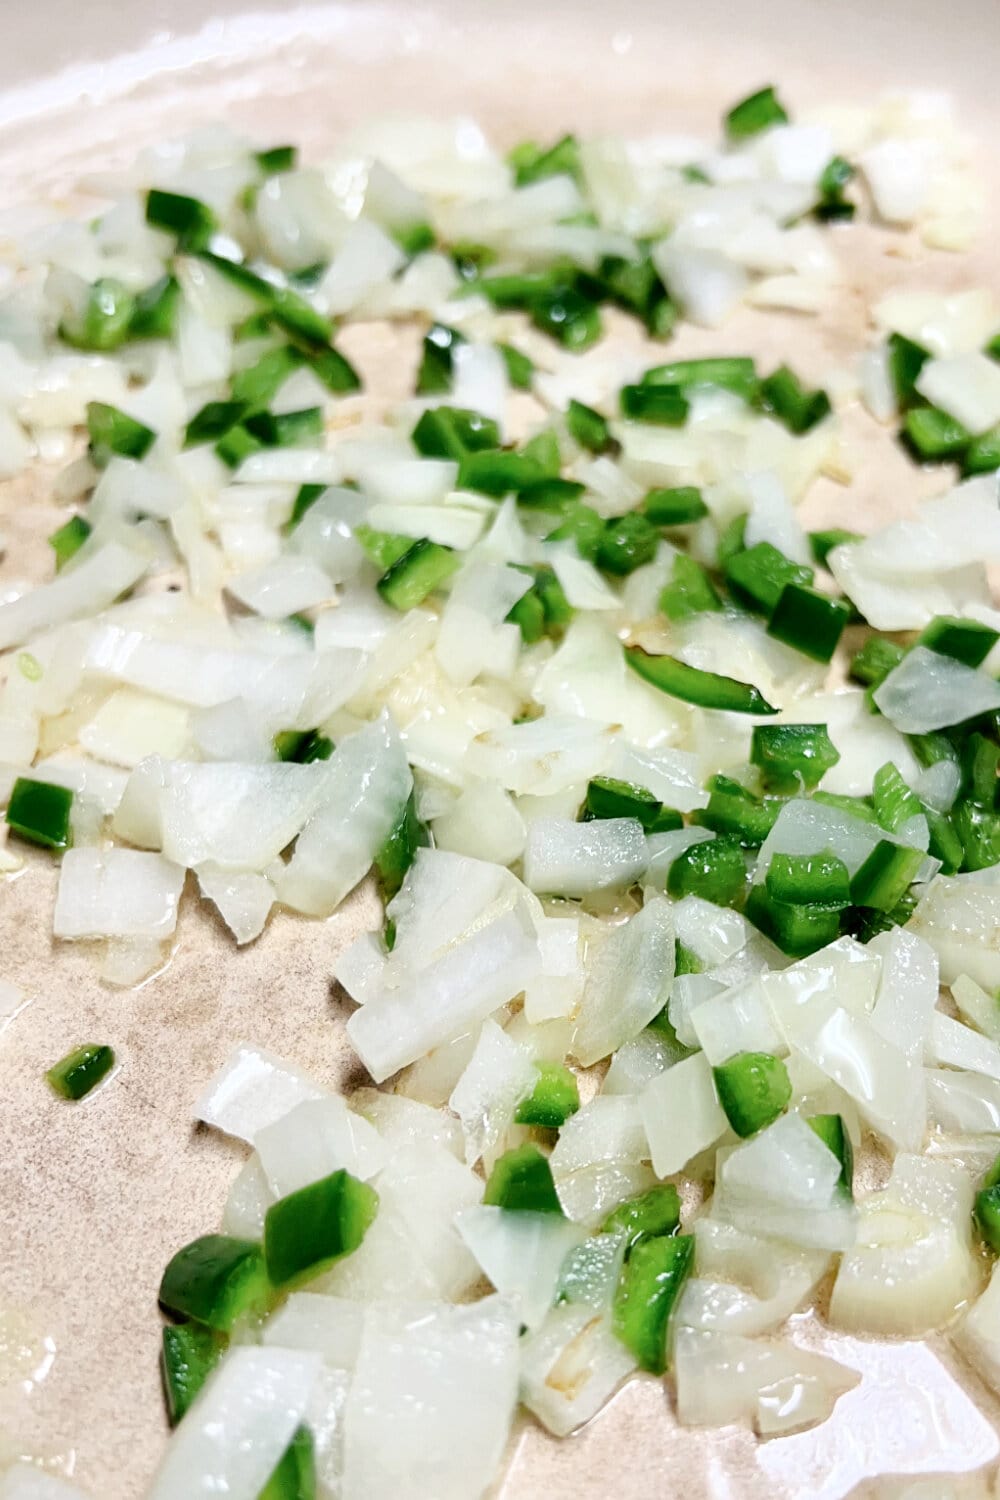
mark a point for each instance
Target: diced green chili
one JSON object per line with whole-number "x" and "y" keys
{"x": 436, "y": 364}
{"x": 755, "y": 113}
{"x": 422, "y": 569}
{"x": 978, "y": 828}
{"x": 758, "y": 574}
{"x": 784, "y": 395}
{"x": 792, "y": 756}
{"x": 398, "y": 852}
{"x": 741, "y": 818}
{"x": 808, "y": 879}
{"x": 154, "y": 313}
{"x": 588, "y": 428}
{"x": 650, "y": 1283}
{"x": 967, "y": 641}
{"x": 80, "y": 1071}
{"x": 559, "y": 495}
{"x": 753, "y": 1089}
{"x": 798, "y": 930}
{"x": 259, "y": 383}
{"x": 113, "y": 431}
{"x": 647, "y": 1216}
{"x": 736, "y": 374}
{"x": 674, "y": 507}
{"x": 188, "y": 1356}
{"x": 276, "y": 159}
{"x": 215, "y": 1280}
{"x": 521, "y": 1180}
{"x": 39, "y": 811}
{"x": 809, "y": 621}
{"x": 714, "y": 869}
{"x": 294, "y": 1478}
{"x": 451, "y": 432}
{"x": 105, "y": 321}
{"x": 530, "y": 162}
{"x": 906, "y": 360}
{"x": 382, "y": 547}
{"x": 833, "y": 203}
{"x": 982, "y": 456}
{"x": 822, "y": 543}
{"x": 555, "y": 1096}
{"x": 67, "y": 541}
{"x": 664, "y": 405}
{"x": 627, "y": 543}
{"x": 192, "y": 221}
{"x": 704, "y": 689}
{"x": 307, "y": 1231}
{"x": 833, "y": 1133}
{"x": 894, "y": 802}
{"x": 212, "y": 421}
{"x": 689, "y": 592}
{"x": 520, "y": 369}
{"x": 932, "y": 436}
{"x": 582, "y": 526}
{"x": 876, "y": 659}
{"x": 886, "y": 875}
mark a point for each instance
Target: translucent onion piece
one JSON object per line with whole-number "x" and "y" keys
{"x": 571, "y": 1366}
{"x": 252, "y": 1090}
{"x": 315, "y": 1138}
{"x": 778, "y": 1387}
{"x": 627, "y": 982}
{"x": 520, "y": 1253}
{"x": 681, "y": 1114}
{"x": 443, "y": 1382}
{"x": 116, "y": 893}
{"x": 912, "y": 1266}
{"x": 239, "y": 1427}
{"x": 566, "y": 858}
{"x": 928, "y": 691}
{"x": 85, "y": 589}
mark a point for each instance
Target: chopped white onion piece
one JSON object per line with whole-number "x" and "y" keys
{"x": 566, "y": 858}
{"x": 443, "y": 1381}
{"x": 252, "y": 1090}
{"x": 520, "y": 1253}
{"x": 778, "y": 1387}
{"x": 681, "y": 1114}
{"x": 315, "y": 1138}
{"x": 239, "y": 1427}
{"x": 571, "y": 1366}
{"x": 121, "y": 893}
{"x": 929, "y": 691}
{"x": 628, "y": 981}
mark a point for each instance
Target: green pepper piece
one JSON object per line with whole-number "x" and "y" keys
{"x": 753, "y": 1089}
{"x": 626, "y": 544}
{"x": 187, "y": 1358}
{"x": 689, "y": 592}
{"x": 822, "y": 543}
{"x": 757, "y": 575}
{"x": 113, "y": 431}
{"x": 714, "y": 869}
{"x": 809, "y": 621}
{"x": 39, "y": 811}
{"x": 588, "y": 428}
{"x": 679, "y": 506}
{"x": 968, "y": 641}
{"x": 555, "y": 1096}
{"x": 906, "y": 360}
{"x": 647, "y": 1216}
{"x": 757, "y": 112}
{"x": 648, "y": 1288}
{"x": 417, "y": 573}
{"x": 792, "y": 756}
{"x": 105, "y": 321}
{"x": 192, "y": 221}
{"x": 664, "y": 405}
{"x": 886, "y": 875}
{"x": 453, "y": 432}
{"x": 799, "y": 409}
{"x": 705, "y": 689}
{"x": 400, "y": 849}
{"x": 797, "y": 929}
{"x": 521, "y": 1181}
{"x": 154, "y": 313}
{"x": 307, "y": 1231}
{"x": 932, "y": 436}
{"x": 738, "y": 375}
{"x": 67, "y": 541}
{"x": 80, "y": 1071}
{"x": 832, "y": 1131}
{"x": 215, "y": 1280}
{"x": 295, "y": 1475}
{"x": 808, "y": 879}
